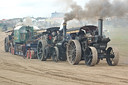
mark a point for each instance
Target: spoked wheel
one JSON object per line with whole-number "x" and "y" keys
{"x": 55, "y": 56}
{"x": 112, "y": 56}
{"x": 91, "y": 57}
{"x": 6, "y": 45}
{"x": 74, "y": 52}
{"x": 40, "y": 50}
{"x": 44, "y": 55}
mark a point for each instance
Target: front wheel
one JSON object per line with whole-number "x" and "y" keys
{"x": 55, "y": 56}
{"x": 112, "y": 56}
{"x": 91, "y": 57}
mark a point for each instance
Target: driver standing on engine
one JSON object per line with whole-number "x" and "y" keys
{"x": 49, "y": 40}
{"x": 54, "y": 34}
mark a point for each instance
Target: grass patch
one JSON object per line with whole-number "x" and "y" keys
{"x": 119, "y": 39}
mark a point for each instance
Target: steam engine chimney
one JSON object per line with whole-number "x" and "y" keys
{"x": 64, "y": 30}
{"x": 100, "y": 26}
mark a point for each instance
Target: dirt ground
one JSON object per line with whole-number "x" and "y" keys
{"x": 14, "y": 70}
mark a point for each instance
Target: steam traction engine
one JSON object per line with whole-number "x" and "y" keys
{"x": 50, "y": 45}
{"x": 22, "y": 41}
{"x": 87, "y": 43}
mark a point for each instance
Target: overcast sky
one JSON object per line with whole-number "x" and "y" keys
{"x": 35, "y": 8}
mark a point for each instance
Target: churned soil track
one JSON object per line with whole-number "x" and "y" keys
{"x": 15, "y": 70}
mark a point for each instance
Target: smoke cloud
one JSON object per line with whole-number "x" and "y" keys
{"x": 97, "y": 9}
{"x": 75, "y": 13}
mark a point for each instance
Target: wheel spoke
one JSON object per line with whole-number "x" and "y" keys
{"x": 39, "y": 53}
{"x": 88, "y": 62}
{"x": 73, "y": 58}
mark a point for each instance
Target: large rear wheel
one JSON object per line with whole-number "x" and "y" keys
{"x": 74, "y": 52}
{"x": 91, "y": 57}
{"x": 6, "y": 44}
{"x": 112, "y": 56}
{"x": 41, "y": 50}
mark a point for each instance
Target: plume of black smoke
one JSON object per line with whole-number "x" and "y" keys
{"x": 119, "y": 8}
{"x": 97, "y": 9}
{"x": 76, "y": 13}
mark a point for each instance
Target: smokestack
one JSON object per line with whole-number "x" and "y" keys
{"x": 100, "y": 26}
{"x": 64, "y": 30}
